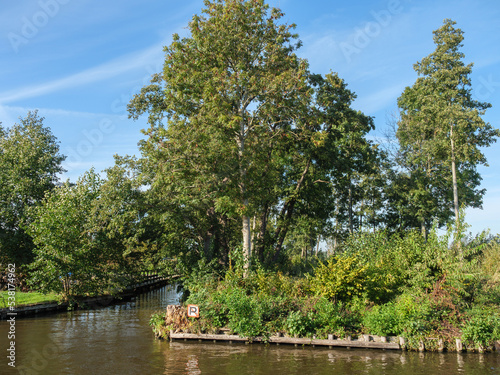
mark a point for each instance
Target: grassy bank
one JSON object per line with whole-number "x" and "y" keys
{"x": 28, "y": 298}
{"x": 387, "y": 286}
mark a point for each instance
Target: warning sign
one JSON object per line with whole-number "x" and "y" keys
{"x": 193, "y": 311}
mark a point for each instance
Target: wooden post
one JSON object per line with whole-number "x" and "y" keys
{"x": 421, "y": 346}
{"x": 440, "y": 345}
{"x": 402, "y": 343}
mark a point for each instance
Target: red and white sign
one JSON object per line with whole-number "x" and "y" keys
{"x": 193, "y": 311}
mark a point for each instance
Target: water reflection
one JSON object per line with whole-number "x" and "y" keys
{"x": 118, "y": 340}
{"x": 223, "y": 358}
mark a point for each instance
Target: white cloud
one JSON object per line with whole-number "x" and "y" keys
{"x": 102, "y": 72}
{"x": 9, "y": 111}
{"x": 379, "y": 100}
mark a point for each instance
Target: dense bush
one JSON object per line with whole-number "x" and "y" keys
{"x": 341, "y": 278}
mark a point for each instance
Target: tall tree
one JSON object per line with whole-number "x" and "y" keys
{"x": 234, "y": 83}
{"x": 29, "y": 164}
{"x": 441, "y": 130}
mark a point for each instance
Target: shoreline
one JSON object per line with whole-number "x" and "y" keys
{"x": 362, "y": 342}
{"x": 26, "y": 311}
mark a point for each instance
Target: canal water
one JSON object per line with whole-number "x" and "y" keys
{"x": 118, "y": 340}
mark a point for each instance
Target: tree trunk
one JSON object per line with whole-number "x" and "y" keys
{"x": 252, "y": 245}
{"x": 455, "y": 194}
{"x": 454, "y": 177}
{"x": 247, "y": 241}
{"x": 361, "y": 215}
{"x": 351, "y": 225}
{"x": 246, "y": 228}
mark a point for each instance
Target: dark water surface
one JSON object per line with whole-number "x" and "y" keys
{"x": 118, "y": 340}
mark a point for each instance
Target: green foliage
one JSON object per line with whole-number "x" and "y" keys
{"x": 264, "y": 303}
{"x": 341, "y": 278}
{"x": 245, "y": 313}
{"x": 491, "y": 260}
{"x": 382, "y": 320}
{"x": 203, "y": 292}
{"x": 412, "y": 313}
{"x": 120, "y": 212}
{"x": 157, "y": 322}
{"x": 429, "y": 293}
{"x": 72, "y": 253}
{"x": 481, "y": 326}
{"x": 300, "y": 324}
{"x": 409, "y": 316}
{"x": 335, "y": 317}
{"x": 420, "y": 262}
{"x": 29, "y": 165}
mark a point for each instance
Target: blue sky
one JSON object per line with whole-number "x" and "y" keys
{"x": 79, "y": 62}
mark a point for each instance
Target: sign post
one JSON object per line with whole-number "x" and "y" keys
{"x": 193, "y": 311}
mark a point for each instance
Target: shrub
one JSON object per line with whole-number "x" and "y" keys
{"x": 482, "y": 326}
{"x": 245, "y": 314}
{"x": 382, "y": 320}
{"x": 412, "y": 312}
{"x": 341, "y": 278}
{"x": 299, "y": 324}
{"x": 330, "y": 318}
{"x": 409, "y": 316}
{"x": 157, "y": 322}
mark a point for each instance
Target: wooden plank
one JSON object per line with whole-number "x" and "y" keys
{"x": 289, "y": 340}
{"x": 194, "y": 336}
{"x": 357, "y": 344}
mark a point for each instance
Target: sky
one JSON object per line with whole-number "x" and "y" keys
{"x": 79, "y": 62}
